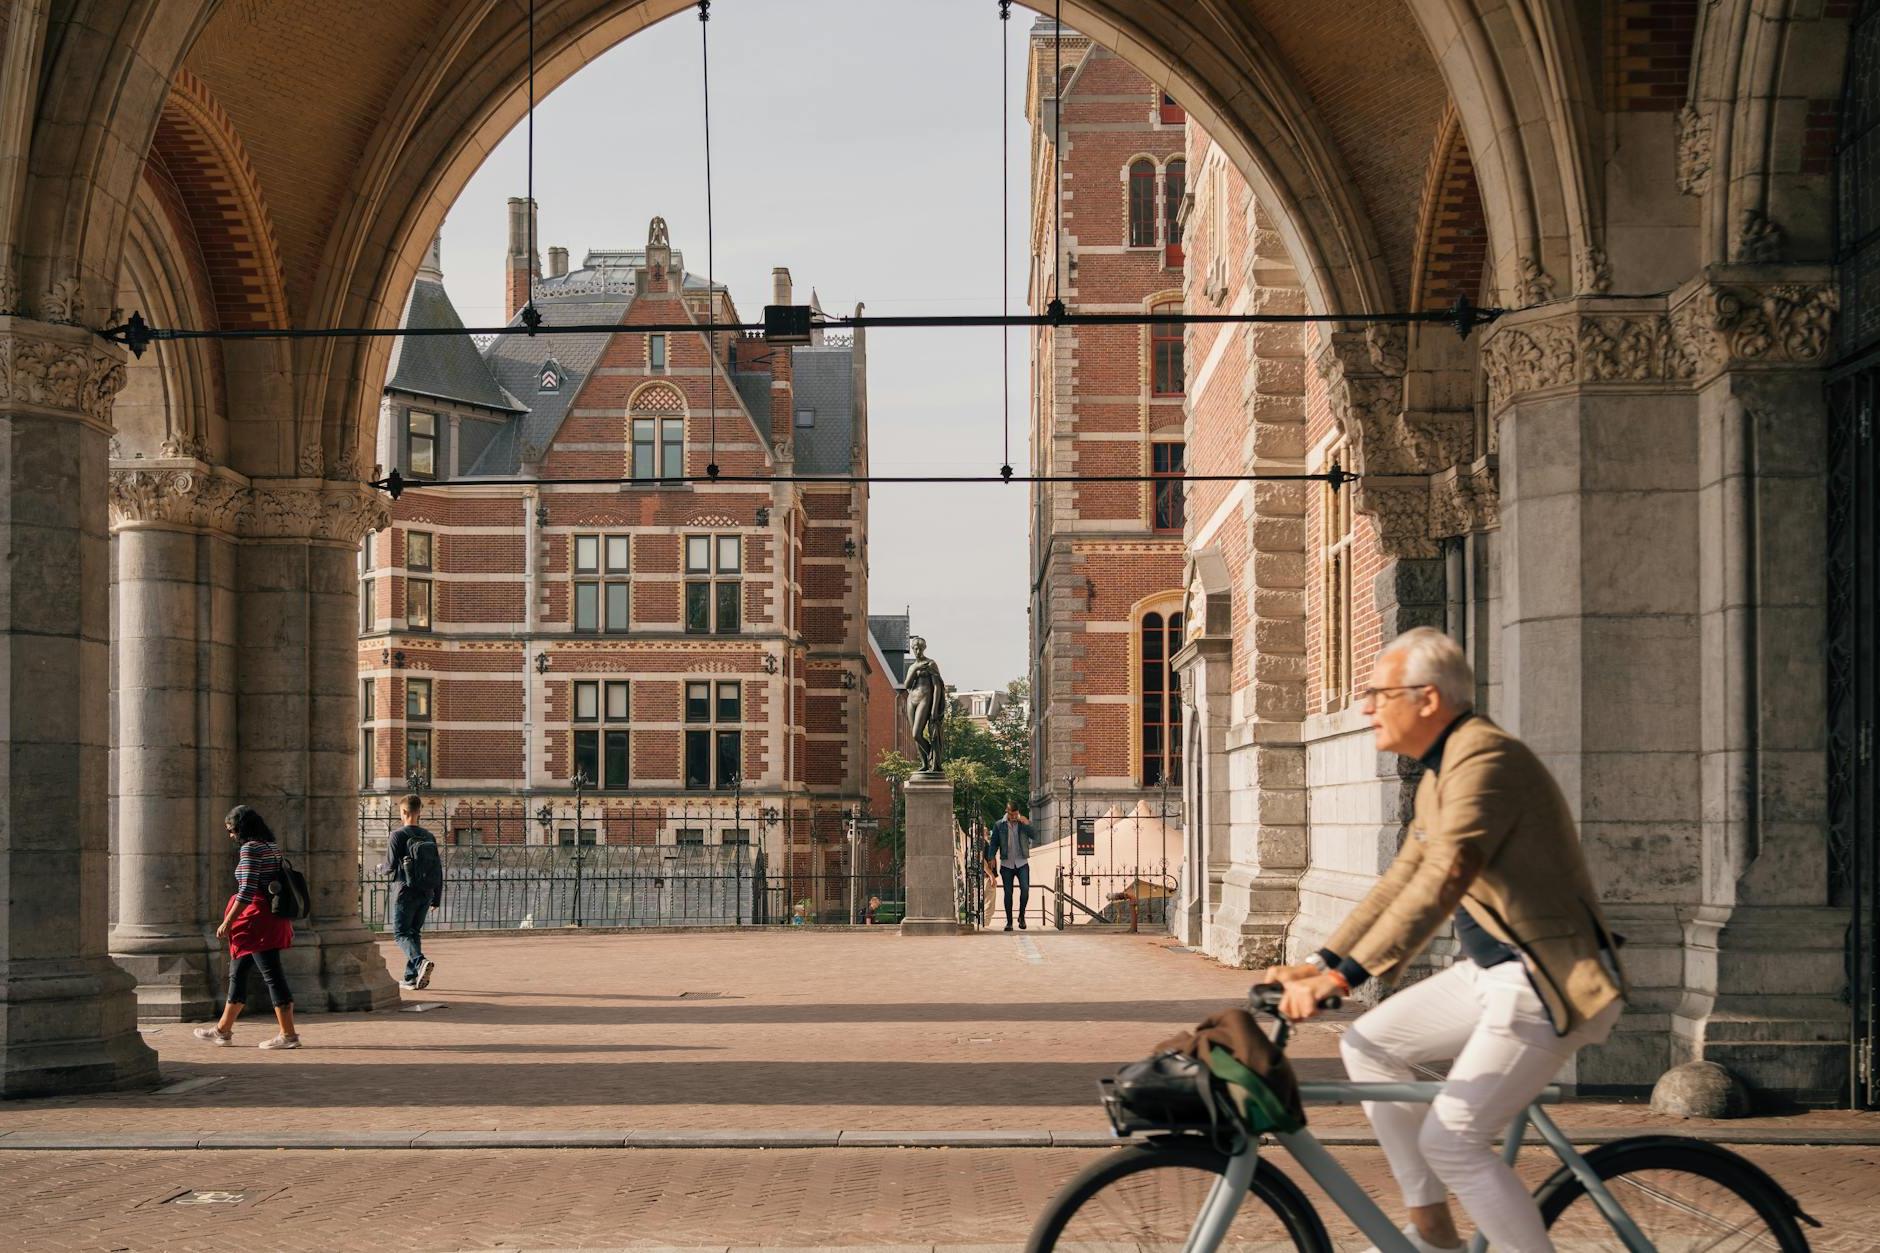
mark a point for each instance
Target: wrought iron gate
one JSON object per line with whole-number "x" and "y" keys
{"x": 1854, "y": 701}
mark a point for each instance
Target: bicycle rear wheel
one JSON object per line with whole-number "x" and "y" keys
{"x": 1685, "y": 1196}
{"x": 1148, "y": 1197}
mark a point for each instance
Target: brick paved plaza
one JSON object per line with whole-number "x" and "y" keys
{"x": 622, "y": 1036}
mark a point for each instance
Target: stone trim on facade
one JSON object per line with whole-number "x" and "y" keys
{"x": 199, "y": 497}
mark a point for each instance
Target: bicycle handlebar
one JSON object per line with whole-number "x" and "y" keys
{"x": 1267, "y": 996}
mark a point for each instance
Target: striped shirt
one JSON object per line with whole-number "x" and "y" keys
{"x": 260, "y": 861}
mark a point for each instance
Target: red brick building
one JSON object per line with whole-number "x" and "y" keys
{"x": 581, "y": 602}
{"x": 1107, "y": 558}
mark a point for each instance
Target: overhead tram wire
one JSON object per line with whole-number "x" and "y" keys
{"x": 1005, "y": 224}
{"x": 531, "y": 316}
{"x": 711, "y": 260}
{"x": 1463, "y": 316}
{"x": 395, "y": 484}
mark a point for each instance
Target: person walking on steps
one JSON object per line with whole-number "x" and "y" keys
{"x": 1010, "y": 845}
{"x": 412, "y": 861}
{"x": 255, "y": 934}
{"x": 1491, "y": 847}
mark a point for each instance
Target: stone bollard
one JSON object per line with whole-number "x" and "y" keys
{"x": 1700, "y": 1090}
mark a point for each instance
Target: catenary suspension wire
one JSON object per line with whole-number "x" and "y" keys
{"x": 137, "y": 334}
{"x": 1005, "y": 222}
{"x": 532, "y": 316}
{"x": 711, "y": 258}
{"x": 395, "y": 484}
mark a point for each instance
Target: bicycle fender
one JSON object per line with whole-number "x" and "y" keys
{"x": 1690, "y": 1144}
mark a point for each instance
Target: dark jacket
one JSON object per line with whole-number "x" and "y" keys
{"x": 395, "y": 858}
{"x": 1003, "y": 842}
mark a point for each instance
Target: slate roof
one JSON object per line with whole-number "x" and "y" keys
{"x": 754, "y": 389}
{"x": 891, "y": 633}
{"x": 516, "y": 361}
{"x": 824, "y": 383}
{"x": 444, "y": 367}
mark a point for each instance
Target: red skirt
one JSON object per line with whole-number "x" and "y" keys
{"x": 256, "y": 929}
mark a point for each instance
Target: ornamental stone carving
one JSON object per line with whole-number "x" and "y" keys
{"x": 1758, "y": 237}
{"x": 1399, "y": 509}
{"x": 1723, "y": 326}
{"x": 1534, "y": 286}
{"x": 187, "y": 497}
{"x": 1694, "y": 157}
{"x": 63, "y": 370}
{"x": 1593, "y": 272}
{"x": 345, "y": 513}
{"x": 1713, "y": 327}
{"x": 1465, "y": 499}
{"x": 9, "y": 284}
{"x": 196, "y": 496}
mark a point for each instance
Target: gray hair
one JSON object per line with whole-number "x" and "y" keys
{"x": 1432, "y": 658}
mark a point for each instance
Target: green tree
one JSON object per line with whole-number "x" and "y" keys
{"x": 896, "y": 769}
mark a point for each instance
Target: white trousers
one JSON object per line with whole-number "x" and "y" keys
{"x": 1494, "y": 1025}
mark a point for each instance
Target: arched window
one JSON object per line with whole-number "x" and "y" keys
{"x": 658, "y": 413}
{"x": 1158, "y": 705}
{"x": 1174, "y": 186}
{"x": 1142, "y": 204}
{"x": 1165, "y": 354}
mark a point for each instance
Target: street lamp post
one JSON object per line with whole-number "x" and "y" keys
{"x": 580, "y": 782}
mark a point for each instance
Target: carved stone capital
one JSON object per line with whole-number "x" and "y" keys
{"x": 1731, "y": 325}
{"x": 1364, "y": 378}
{"x": 1586, "y": 342}
{"x": 1465, "y": 499}
{"x": 1399, "y": 509}
{"x": 189, "y": 495}
{"x": 58, "y": 371}
{"x": 342, "y": 512}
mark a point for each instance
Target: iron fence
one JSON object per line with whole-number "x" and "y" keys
{"x": 641, "y": 868}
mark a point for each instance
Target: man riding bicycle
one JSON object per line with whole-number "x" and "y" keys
{"x": 1492, "y": 846}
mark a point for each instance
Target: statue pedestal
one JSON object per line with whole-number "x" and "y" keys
{"x": 932, "y": 908}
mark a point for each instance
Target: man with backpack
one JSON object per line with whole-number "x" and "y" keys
{"x": 413, "y": 862}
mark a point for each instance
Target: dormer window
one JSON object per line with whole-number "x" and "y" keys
{"x": 551, "y": 376}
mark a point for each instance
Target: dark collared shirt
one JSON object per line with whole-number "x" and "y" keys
{"x": 1477, "y": 944}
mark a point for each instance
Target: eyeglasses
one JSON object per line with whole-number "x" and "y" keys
{"x": 1377, "y": 695}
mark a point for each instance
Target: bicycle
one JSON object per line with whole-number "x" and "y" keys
{"x": 1183, "y": 1190}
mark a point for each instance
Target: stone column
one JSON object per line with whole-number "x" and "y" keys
{"x": 174, "y": 566}
{"x": 1663, "y": 578}
{"x": 68, "y": 1018}
{"x": 297, "y": 669}
{"x": 1764, "y": 958}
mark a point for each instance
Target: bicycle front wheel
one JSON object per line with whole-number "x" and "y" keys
{"x": 1685, "y": 1196}
{"x": 1148, "y": 1198}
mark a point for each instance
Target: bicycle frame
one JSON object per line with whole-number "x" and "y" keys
{"x": 1224, "y": 1199}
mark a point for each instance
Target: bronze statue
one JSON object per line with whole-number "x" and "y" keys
{"x": 926, "y": 708}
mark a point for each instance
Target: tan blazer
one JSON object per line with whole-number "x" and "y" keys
{"x": 1492, "y": 829}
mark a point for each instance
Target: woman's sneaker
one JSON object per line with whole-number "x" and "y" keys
{"x": 209, "y": 1035}
{"x": 282, "y": 1042}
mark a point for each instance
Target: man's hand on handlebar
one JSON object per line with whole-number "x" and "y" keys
{"x": 1302, "y": 997}
{"x": 1288, "y": 974}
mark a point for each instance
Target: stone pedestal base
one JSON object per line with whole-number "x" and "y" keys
{"x": 338, "y": 969}
{"x": 179, "y": 977}
{"x": 69, "y": 1026}
{"x": 931, "y": 906}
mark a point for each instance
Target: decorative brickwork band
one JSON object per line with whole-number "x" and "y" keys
{"x": 57, "y": 371}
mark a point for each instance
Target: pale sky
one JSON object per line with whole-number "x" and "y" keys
{"x": 857, "y": 143}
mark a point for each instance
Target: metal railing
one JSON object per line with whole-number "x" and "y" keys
{"x": 644, "y": 866}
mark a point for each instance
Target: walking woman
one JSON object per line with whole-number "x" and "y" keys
{"x": 255, "y": 934}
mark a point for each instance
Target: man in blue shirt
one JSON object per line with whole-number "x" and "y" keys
{"x": 413, "y": 863}
{"x": 1010, "y": 845}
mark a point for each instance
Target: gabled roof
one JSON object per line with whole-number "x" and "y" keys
{"x": 444, "y": 367}
{"x": 516, "y": 361}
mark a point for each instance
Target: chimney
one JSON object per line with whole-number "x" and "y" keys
{"x": 780, "y": 285}
{"x": 524, "y": 263}
{"x": 433, "y": 266}
{"x": 557, "y": 262}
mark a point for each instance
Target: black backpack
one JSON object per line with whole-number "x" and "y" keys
{"x": 423, "y": 868}
{"x": 288, "y": 896}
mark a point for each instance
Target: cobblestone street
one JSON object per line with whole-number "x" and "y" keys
{"x": 812, "y": 1032}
